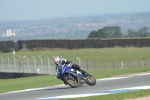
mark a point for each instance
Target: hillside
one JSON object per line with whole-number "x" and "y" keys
{"x": 73, "y": 27}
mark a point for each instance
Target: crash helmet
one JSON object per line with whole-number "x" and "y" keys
{"x": 58, "y": 60}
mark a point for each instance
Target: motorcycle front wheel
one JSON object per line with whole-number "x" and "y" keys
{"x": 71, "y": 80}
{"x": 91, "y": 80}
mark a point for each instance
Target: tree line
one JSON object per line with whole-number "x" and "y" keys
{"x": 115, "y": 32}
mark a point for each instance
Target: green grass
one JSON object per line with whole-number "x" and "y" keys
{"x": 99, "y": 53}
{"x": 28, "y": 82}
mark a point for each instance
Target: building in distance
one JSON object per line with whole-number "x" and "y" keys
{"x": 10, "y": 32}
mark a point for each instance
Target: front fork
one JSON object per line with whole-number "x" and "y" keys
{"x": 83, "y": 79}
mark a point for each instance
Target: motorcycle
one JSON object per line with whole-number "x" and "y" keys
{"x": 75, "y": 78}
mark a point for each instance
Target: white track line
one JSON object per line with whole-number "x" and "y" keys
{"x": 96, "y": 93}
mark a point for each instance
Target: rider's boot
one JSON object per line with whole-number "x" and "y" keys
{"x": 65, "y": 83}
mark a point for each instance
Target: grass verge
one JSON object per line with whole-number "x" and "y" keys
{"x": 99, "y": 54}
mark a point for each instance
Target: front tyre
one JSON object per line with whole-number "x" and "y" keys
{"x": 91, "y": 80}
{"x": 71, "y": 80}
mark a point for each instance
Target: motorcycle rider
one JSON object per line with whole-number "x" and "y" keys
{"x": 60, "y": 62}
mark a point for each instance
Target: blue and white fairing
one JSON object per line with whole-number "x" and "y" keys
{"x": 66, "y": 69}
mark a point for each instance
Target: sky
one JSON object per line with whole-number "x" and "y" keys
{"x": 20, "y": 10}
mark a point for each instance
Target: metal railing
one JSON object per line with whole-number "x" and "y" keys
{"x": 45, "y": 65}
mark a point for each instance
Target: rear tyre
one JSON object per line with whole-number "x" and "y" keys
{"x": 71, "y": 80}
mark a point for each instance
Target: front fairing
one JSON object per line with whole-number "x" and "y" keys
{"x": 66, "y": 69}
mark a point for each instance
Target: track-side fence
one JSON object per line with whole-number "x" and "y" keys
{"x": 45, "y": 65}
{"x": 7, "y": 46}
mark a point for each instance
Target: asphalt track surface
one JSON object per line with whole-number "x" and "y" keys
{"x": 105, "y": 84}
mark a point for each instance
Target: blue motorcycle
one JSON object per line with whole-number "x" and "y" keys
{"x": 75, "y": 78}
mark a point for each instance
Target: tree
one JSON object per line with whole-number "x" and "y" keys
{"x": 115, "y": 32}
{"x": 132, "y": 33}
{"x": 143, "y": 32}
{"x": 106, "y": 32}
{"x": 93, "y": 34}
